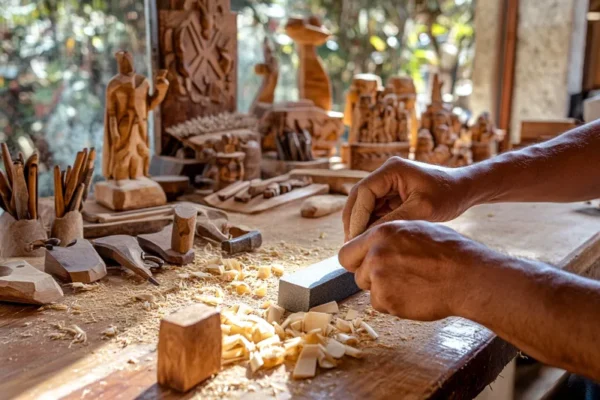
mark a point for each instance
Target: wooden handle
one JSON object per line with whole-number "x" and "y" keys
{"x": 6, "y": 194}
{"x": 32, "y": 189}
{"x": 59, "y": 202}
{"x": 77, "y": 197}
{"x": 8, "y": 164}
{"x": 184, "y": 223}
{"x": 73, "y": 178}
{"x": 20, "y": 194}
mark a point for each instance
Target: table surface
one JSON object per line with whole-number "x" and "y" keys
{"x": 450, "y": 358}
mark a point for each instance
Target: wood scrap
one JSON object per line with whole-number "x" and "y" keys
{"x": 22, "y": 283}
{"x": 258, "y": 187}
{"x": 78, "y": 262}
{"x": 272, "y": 190}
{"x": 184, "y": 224}
{"x": 319, "y": 206}
{"x": 173, "y": 185}
{"x": 232, "y": 189}
{"x": 260, "y": 204}
{"x": 339, "y": 181}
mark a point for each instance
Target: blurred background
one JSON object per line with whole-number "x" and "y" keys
{"x": 56, "y": 57}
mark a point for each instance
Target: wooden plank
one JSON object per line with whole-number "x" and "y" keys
{"x": 339, "y": 181}
{"x": 539, "y": 130}
{"x": 259, "y": 204}
{"x": 452, "y": 358}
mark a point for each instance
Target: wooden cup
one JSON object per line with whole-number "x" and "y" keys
{"x": 15, "y": 236}
{"x": 68, "y": 228}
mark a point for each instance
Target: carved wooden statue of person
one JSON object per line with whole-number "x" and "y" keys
{"x": 126, "y": 152}
{"x": 390, "y": 118}
{"x": 424, "y": 149}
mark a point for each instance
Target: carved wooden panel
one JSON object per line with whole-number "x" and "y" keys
{"x": 198, "y": 46}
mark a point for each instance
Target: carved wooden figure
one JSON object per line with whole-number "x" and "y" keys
{"x": 126, "y": 155}
{"x": 126, "y": 152}
{"x": 404, "y": 88}
{"x": 362, "y": 85}
{"x": 231, "y": 168}
{"x": 313, "y": 82}
{"x": 269, "y": 69}
{"x": 484, "y": 138}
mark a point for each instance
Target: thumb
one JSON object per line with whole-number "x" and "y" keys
{"x": 410, "y": 210}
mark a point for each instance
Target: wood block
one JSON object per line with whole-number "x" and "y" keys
{"x": 189, "y": 347}
{"x": 173, "y": 185}
{"x": 315, "y": 285}
{"x": 259, "y": 204}
{"x": 338, "y": 180}
{"x": 130, "y": 194}
{"x": 320, "y": 206}
{"x": 184, "y": 223}
{"x": 159, "y": 243}
{"x": 77, "y": 263}
{"x": 370, "y": 156}
{"x": 22, "y": 283}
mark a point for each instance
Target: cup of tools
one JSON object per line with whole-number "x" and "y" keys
{"x": 70, "y": 192}
{"x": 19, "y": 224}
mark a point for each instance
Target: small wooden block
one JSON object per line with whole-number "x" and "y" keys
{"x": 320, "y": 206}
{"x": 22, "y": 283}
{"x": 173, "y": 185}
{"x": 159, "y": 243}
{"x": 130, "y": 194}
{"x": 184, "y": 227}
{"x": 259, "y": 204}
{"x": 189, "y": 347}
{"x": 338, "y": 180}
{"x": 77, "y": 263}
{"x": 315, "y": 285}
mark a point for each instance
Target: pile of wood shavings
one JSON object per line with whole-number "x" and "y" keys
{"x": 134, "y": 308}
{"x": 309, "y": 338}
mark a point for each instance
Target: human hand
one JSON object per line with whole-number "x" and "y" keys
{"x": 405, "y": 190}
{"x": 416, "y": 269}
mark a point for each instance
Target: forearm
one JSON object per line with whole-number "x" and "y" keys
{"x": 563, "y": 169}
{"x": 547, "y": 313}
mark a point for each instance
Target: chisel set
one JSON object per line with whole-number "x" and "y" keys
{"x": 71, "y": 186}
{"x": 19, "y": 185}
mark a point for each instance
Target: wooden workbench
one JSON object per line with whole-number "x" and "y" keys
{"x": 453, "y": 358}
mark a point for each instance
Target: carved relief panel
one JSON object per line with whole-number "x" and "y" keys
{"x": 198, "y": 47}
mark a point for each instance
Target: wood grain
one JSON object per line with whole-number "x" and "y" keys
{"x": 184, "y": 227}
{"x": 189, "y": 347}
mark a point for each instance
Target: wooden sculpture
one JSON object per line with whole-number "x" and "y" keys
{"x": 324, "y": 127}
{"x": 362, "y": 85}
{"x": 313, "y": 82}
{"x": 231, "y": 168}
{"x": 198, "y": 47}
{"x": 484, "y": 138}
{"x": 269, "y": 69}
{"x": 380, "y": 128}
{"x": 404, "y": 88}
{"x": 126, "y": 154}
{"x": 437, "y": 141}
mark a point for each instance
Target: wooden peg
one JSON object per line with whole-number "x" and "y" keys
{"x": 184, "y": 224}
{"x": 189, "y": 347}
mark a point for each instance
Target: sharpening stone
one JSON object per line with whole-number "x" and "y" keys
{"x": 318, "y": 284}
